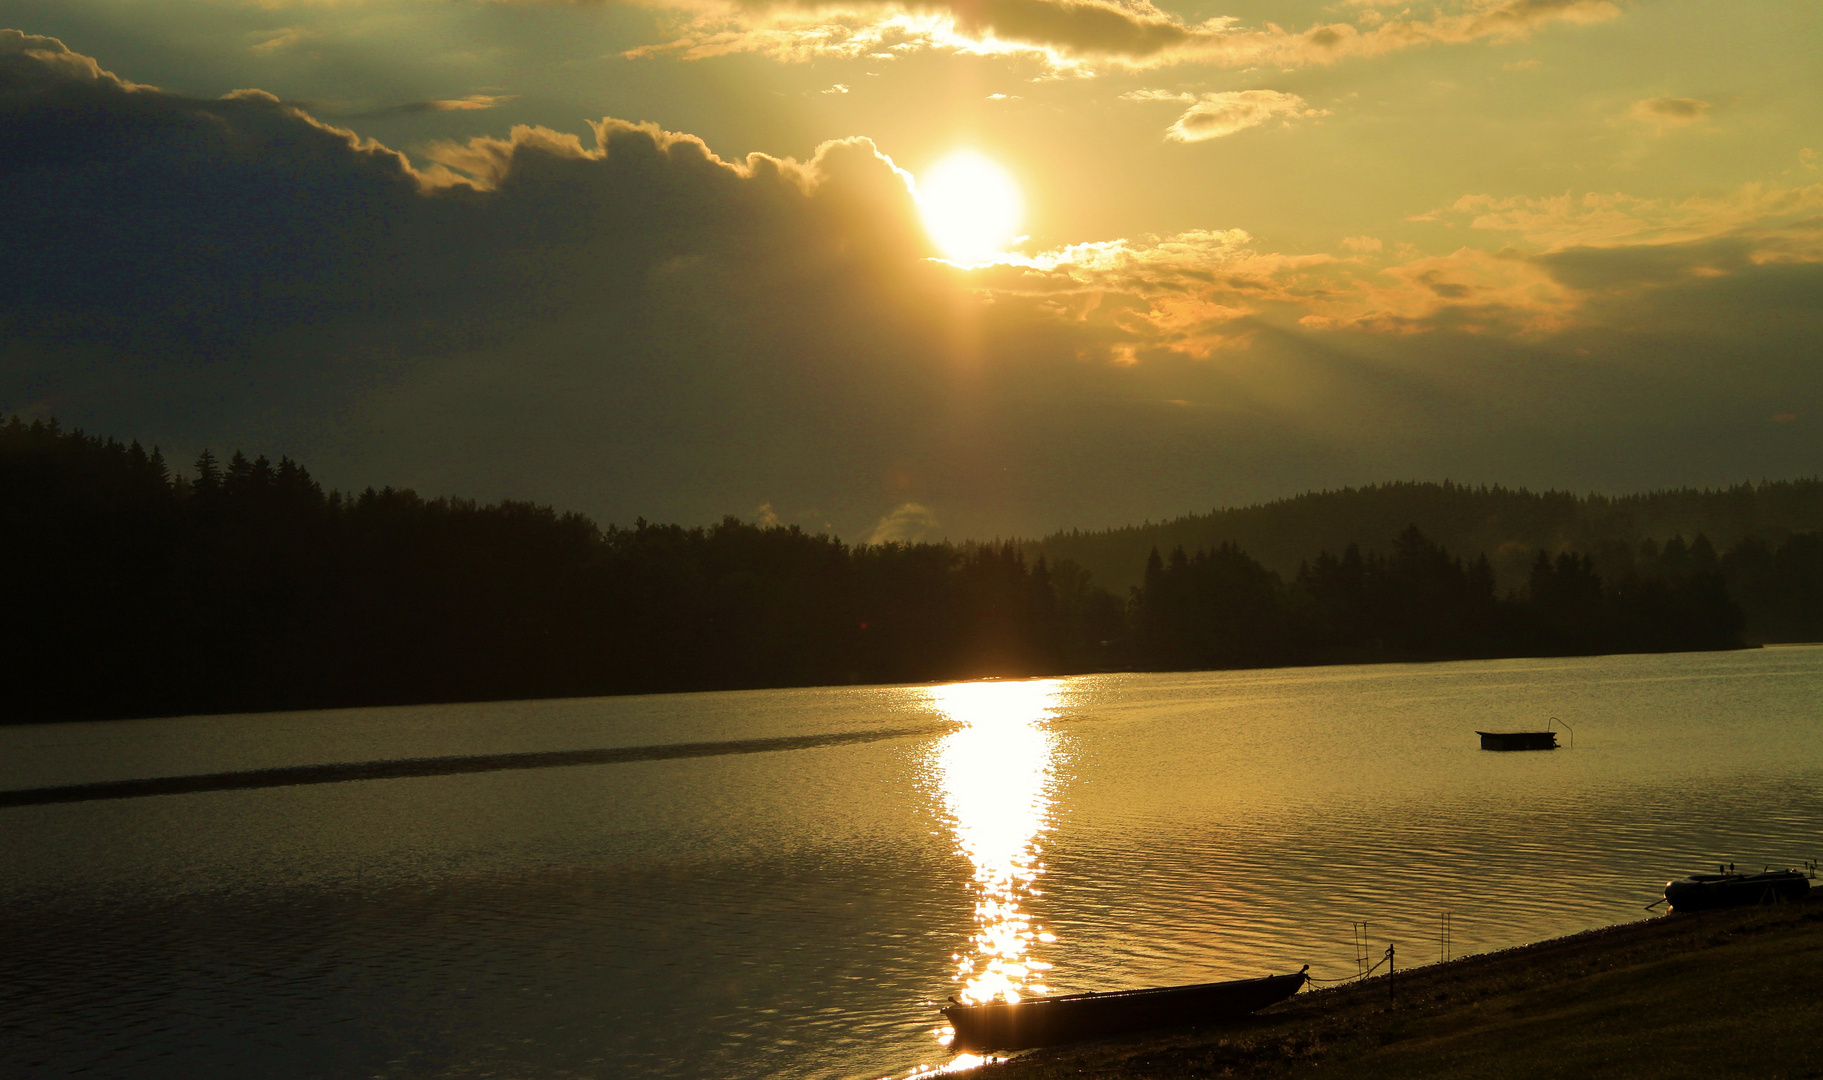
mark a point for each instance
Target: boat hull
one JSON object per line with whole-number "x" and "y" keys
{"x": 1708, "y": 892}
{"x": 1518, "y": 740}
{"x": 1074, "y": 1017}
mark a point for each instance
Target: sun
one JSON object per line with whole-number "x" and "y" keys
{"x": 971, "y": 207}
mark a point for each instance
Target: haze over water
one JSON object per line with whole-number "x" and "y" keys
{"x": 799, "y": 913}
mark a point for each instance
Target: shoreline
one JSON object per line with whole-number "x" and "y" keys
{"x": 11, "y": 721}
{"x": 1722, "y": 993}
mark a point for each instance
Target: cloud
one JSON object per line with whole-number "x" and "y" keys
{"x": 1205, "y": 293}
{"x": 471, "y": 103}
{"x": 1213, "y": 116}
{"x": 280, "y": 40}
{"x": 1666, "y": 112}
{"x": 1362, "y": 244}
{"x": 1084, "y": 35}
{"x": 1157, "y": 95}
{"x": 1783, "y": 218}
{"x": 907, "y": 523}
{"x": 259, "y": 270}
{"x": 627, "y": 323}
{"x": 35, "y": 63}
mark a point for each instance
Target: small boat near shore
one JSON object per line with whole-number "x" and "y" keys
{"x": 1526, "y": 740}
{"x": 1050, "y": 1021}
{"x": 1518, "y": 740}
{"x": 1708, "y": 892}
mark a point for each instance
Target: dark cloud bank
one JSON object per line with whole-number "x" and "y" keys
{"x": 627, "y": 324}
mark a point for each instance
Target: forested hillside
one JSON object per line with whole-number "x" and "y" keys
{"x": 245, "y": 586}
{"x": 1509, "y": 526}
{"x": 140, "y": 592}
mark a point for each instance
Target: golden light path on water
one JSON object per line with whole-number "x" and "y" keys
{"x": 995, "y": 773}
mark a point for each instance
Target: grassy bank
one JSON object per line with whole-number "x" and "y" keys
{"x": 1721, "y": 994}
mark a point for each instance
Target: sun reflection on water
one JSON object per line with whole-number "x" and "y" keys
{"x": 996, "y": 774}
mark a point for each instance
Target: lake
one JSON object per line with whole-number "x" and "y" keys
{"x": 800, "y": 912}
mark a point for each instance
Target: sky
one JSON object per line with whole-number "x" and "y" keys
{"x": 948, "y": 268}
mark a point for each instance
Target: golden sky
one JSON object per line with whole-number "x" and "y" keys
{"x": 944, "y": 268}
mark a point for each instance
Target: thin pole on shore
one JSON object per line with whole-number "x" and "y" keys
{"x": 1390, "y": 966}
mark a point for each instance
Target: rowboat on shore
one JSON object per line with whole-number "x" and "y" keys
{"x": 1049, "y": 1021}
{"x": 1707, "y": 892}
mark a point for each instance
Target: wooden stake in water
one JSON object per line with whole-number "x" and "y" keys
{"x": 1445, "y": 946}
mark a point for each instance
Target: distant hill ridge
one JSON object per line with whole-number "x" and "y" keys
{"x": 1509, "y": 525}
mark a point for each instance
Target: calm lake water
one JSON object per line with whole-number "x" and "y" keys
{"x": 797, "y": 913}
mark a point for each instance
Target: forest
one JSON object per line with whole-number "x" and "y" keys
{"x": 244, "y": 586}
{"x": 1509, "y": 525}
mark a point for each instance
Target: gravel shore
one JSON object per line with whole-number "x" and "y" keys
{"x": 1719, "y": 994}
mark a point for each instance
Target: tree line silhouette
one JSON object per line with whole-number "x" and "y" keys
{"x": 246, "y": 586}
{"x": 1510, "y": 525}
{"x": 1222, "y": 608}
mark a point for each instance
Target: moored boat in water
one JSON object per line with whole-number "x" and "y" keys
{"x": 1526, "y": 740}
{"x": 1518, "y": 740}
{"x": 1049, "y": 1021}
{"x": 1706, "y": 892}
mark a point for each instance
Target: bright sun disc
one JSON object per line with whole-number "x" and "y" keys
{"x": 971, "y": 206}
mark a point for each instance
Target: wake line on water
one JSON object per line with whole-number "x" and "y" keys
{"x": 344, "y": 772}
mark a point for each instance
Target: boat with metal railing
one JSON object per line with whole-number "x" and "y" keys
{"x": 1525, "y": 740}
{"x": 1707, "y": 892}
{"x": 1049, "y": 1021}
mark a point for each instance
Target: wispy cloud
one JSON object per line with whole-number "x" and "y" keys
{"x": 1609, "y": 219}
{"x": 1198, "y": 294}
{"x": 1157, "y": 95}
{"x": 358, "y": 110}
{"x": 1201, "y": 294}
{"x": 470, "y": 103}
{"x": 1212, "y": 116}
{"x": 1666, "y": 112}
{"x": 908, "y": 523}
{"x": 1085, "y": 35}
{"x": 275, "y": 41}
